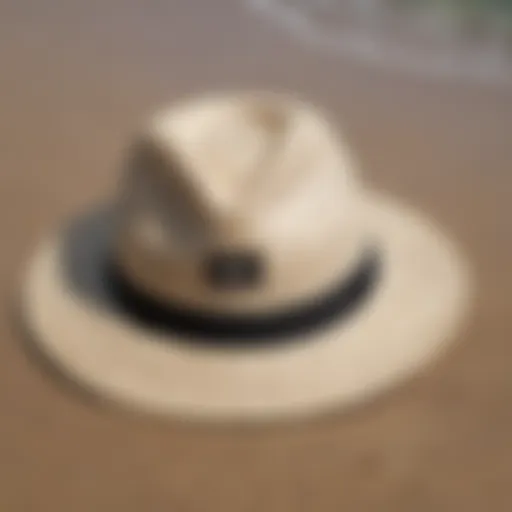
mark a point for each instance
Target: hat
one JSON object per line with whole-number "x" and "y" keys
{"x": 244, "y": 271}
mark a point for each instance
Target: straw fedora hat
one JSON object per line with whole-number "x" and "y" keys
{"x": 244, "y": 271}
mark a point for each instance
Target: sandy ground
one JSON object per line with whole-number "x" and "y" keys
{"x": 76, "y": 78}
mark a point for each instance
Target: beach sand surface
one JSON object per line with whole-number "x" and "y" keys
{"x": 76, "y": 79}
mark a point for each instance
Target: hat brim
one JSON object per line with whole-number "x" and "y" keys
{"x": 412, "y": 313}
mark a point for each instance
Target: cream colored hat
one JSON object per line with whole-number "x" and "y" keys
{"x": 244, "y": 272}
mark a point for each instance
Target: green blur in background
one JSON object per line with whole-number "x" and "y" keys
{"x": 503, "y": 7}
{"x": 471, "y": 16}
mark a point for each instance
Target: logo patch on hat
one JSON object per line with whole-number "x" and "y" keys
{"x": 234, "y": 270}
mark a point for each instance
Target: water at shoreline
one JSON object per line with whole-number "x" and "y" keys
{"x": 410, "y": 35}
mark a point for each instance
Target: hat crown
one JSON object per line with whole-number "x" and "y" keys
{"x": 262, "y": 175}
{"x": 236, "y": 161}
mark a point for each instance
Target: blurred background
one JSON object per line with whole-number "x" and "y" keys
{"x": 422, "y": 91}
{"x": 450, "y": 38}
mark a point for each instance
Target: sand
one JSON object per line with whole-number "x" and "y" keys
{"x": 76, "y": 79}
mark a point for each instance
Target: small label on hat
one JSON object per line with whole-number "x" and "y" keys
{"x": 234, "y": 270}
